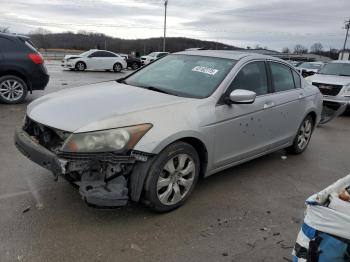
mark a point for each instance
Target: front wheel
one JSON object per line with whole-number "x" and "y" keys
{"x": 172, "y": 177}
{"x": 135, "y": 66}
{"x": 302, "y": 139}
{"x": 80, "y": 66}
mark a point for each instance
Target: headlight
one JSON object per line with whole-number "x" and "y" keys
{"x": 308, "y": 79}
{"x": 347, "y": 90}
{"x": 106, "y": 140}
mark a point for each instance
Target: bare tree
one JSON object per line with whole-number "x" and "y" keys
{"x": 316, "y": 48}
{"x": 4, "y": 30}
{"x": 41, "y": 37}
{"x": 300, "y": 49}
{"x": 285, "y": 50}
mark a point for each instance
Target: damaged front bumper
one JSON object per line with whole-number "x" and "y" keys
{"x": 333, "y": 107}
{"x": 104, "y": 179}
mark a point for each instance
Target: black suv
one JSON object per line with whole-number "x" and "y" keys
{"x": 22, "y": 68}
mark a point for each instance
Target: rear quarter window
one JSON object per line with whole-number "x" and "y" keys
{"x": 6, "y": 45}
{"x": 297, "y": 79}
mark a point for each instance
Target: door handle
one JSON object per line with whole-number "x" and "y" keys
{"x": 268, "y": 105}
{"x": 301, "y": 96}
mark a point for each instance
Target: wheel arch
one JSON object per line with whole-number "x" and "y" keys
{"x": 80, "y": 61}
{"x": 18, "y": 74}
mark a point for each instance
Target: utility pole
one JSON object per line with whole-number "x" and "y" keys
{"x": 347, "y": 26}
{"x": 165, "y": 7}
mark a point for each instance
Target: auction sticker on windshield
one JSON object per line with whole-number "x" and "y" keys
{"x": 205, "y": 70}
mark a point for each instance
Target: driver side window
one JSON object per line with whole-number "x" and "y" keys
{"x": 251, "y": 77}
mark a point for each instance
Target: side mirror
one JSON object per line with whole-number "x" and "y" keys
{"x": 241, "y": 96}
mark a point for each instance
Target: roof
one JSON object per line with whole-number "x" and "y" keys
{"x": 228, "y": 54}
{"x": 24, "y": 38}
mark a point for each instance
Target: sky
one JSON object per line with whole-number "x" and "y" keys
{"x": 272, "y": 23}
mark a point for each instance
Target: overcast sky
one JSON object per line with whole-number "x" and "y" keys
{"x": 272, "y": 23}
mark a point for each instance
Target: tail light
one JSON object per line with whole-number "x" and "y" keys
{"x": 36, "y": 58}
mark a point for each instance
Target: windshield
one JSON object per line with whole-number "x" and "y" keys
{"x": 310, "y": 66}
{"x": 85, "y": 53}
{"x": 183, "y": 75}
{"x": 340, "y": 69}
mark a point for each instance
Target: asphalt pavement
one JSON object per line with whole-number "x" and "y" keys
{"x": 251, "y": 212}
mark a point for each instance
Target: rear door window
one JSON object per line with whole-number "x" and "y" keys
{"x": 282, "y": 78}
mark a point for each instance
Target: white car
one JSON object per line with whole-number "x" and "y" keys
{"x": 146, "y": 59}
{"x": 333, "y": 80}
{"x": 309, "y": 68}
{"x": 94, "y": 59}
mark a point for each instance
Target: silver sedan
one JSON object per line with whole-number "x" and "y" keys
{"x": 153, "y": 134}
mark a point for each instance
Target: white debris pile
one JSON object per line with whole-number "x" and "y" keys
{"x": 325, "y": 234}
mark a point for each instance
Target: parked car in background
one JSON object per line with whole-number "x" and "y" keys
{"x": 294, "y": 63}
{"x": 333, "y": 80}
{"x": 146, "y": 59}
{"x": 94, "y": 59}
{"x": 154, "y": 133}
{"x": 22, "y": 68}
{"x": 309, "y": 68}
{"x": 132, "y": 61}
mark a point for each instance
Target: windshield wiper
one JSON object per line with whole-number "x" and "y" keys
{"x": 153, "y": 88}
{"x": 343, "y": 75}
{"x": 121, "y": 80}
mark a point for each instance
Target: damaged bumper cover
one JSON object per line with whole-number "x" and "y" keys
{"x": 104, "y": 179}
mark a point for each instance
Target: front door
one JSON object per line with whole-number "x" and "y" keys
{"x": 243, "y": 130}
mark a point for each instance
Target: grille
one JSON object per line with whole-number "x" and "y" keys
{"x": 327, "y": 89}
{"x": 47, "y": 137}
{"x": 107, "y": 156}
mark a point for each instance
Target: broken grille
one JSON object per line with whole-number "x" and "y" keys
{"x": 327, "y": 89}
{"x": 48, "y": 137}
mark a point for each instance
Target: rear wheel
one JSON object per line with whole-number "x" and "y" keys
{"x": 172, "y": 177}
{"x": 80, "y": 66}
{"x": 302, "y": 139}
{"x": 117, "y": 67}
{"x": 13, "y": 90}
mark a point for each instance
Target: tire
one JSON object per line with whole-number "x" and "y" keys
{"x": 117, "y": 67}
{"x": 172, "y": 177}
{"x": 303, "y": 137}
{"x": 13, "y": 90}
{"x": 135, "y": 66}
{"x": 80, "y": 66}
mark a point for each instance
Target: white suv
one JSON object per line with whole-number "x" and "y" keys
{"x": 333, "y": 80}
{"x": 95, "y": 59}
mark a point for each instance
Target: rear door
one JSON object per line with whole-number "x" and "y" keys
{"x": 287, "y": 103}
{"x": 242, "y": 130}
{"x": 109, "y": 60}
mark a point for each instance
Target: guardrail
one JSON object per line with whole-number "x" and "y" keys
{"x": 57, "y": 55}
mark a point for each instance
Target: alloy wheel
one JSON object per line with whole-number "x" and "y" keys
{"x": 304, "y": 134}
{"x": 176, "y": 179}
{"x": 11, "y": 90}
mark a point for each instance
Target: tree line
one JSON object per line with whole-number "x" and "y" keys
{"x": 83, "y": 40}
{"x": 316, "y": 48}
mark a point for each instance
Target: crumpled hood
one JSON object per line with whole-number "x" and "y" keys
{"x": 330, "y": 79}
{"x": 71, "y": 56}
{"x": 73, "y": 109}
